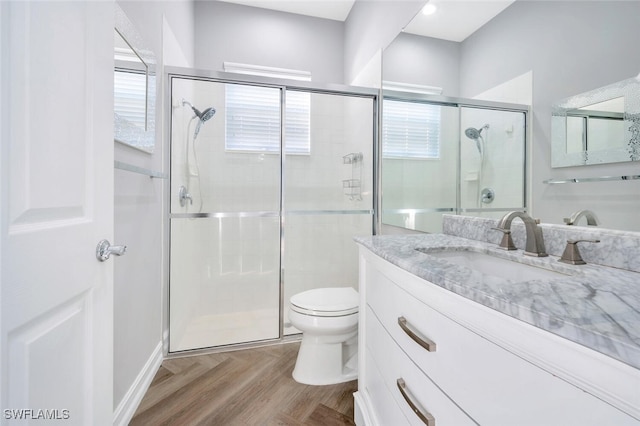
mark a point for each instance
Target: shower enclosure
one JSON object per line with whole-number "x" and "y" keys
{"x": 270, "y": 181}
{"x": 447, "y": 155}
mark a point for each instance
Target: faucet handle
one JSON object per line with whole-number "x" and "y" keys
{"x": 571, "y": 253}
{"x": 507, "y": 241}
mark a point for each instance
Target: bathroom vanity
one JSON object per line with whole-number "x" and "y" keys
{"x": 452, "y": 335}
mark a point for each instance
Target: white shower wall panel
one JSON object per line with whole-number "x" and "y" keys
{"x": 501, "y": 169}
{"x": 339, "y": 126}
{"x": 320, "y": 252}
{"x": 224, "y": 266}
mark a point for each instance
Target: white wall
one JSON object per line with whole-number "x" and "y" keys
{"x": 570, "y": 47}
{"x": 140, "y": 216}
{"x": 148, "y": 16}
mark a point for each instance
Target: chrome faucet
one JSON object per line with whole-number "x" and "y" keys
{"x": 534, "y": 245}
{"x": 571, "y": 253}
{"x": 592, "y": 219}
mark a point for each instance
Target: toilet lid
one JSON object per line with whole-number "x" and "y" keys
{"x": 326, "y": 301}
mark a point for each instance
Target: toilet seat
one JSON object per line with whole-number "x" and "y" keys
{"x": 326, "y": 302}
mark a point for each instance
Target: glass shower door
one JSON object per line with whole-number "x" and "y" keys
{"x": 328, "y": 192}
{"x": 225, "y": 220}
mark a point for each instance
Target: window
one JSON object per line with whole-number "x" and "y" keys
{"x": 253, "y": 120}
{"x": 130, "y": 96}
{"x": 410, "y": 130}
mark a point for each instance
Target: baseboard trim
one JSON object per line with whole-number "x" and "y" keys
{"x": 130, "y": 402}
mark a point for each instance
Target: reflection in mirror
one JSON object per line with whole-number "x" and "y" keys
{"x": 134, "y": 87}
{"x": 129, "y": 85}
{"x": 419, "y": 157}
{"x": 600, "y": 126}
{"x": 480, "y": 166}
{"x": 596, "y": 127}
{"x": 447, "y": 155}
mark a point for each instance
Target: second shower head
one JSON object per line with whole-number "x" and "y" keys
{"x": 473, "y": 133}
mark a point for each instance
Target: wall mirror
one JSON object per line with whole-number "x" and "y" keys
{"x": 596, "y": 127}
{"x": 134, "y": 87}
{"x": 441, "y": 154}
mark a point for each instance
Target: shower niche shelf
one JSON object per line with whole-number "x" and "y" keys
{"x": 352, "y": 187}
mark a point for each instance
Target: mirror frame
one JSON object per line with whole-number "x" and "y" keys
{"x": 630, "y": 90}
{"x": 125, "y": 132}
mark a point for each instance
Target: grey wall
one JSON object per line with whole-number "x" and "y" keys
{"x": 226, "y": 32}
{"x": 333, "y": 51}
{"x": 571, "y": 47}
{"x": 139, "y": 214}
{"x": 372, "y": 26}
{"x": 425, "y": 61}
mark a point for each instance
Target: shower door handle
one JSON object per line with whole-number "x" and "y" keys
{"x": 104, "y": 249}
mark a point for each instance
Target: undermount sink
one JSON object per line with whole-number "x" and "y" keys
{"x": 488, "y": 264}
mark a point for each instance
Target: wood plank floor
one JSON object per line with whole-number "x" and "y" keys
{"x": 245, "y": 387}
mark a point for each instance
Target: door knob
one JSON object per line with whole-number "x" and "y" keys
{"x": 105, "y": 249}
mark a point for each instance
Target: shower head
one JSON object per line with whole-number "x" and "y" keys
{"x": 476, "y": 135}
{"x": 473, "y": 133}
{"x": 204, "y": 115}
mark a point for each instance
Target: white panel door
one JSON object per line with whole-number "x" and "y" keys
{"x": 56, "y": 185}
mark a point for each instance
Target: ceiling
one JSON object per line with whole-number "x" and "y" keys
{"x": 454, "y": 20}
{"x": 338, "y": 10}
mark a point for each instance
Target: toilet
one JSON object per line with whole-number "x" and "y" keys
{"x": 328, "y": 319}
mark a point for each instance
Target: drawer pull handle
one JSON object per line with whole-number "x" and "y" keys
{"x": 423, "y": 414}
{"x": 426, "y": 343}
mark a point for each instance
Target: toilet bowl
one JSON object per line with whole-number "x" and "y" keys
{"x": 328, "y": 319}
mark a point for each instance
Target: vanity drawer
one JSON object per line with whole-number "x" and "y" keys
{"x": 386, "y": 411}
{"x": 492, "y": 385}
{"x": 398, "y": 371}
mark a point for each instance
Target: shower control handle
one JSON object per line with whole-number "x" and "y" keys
{"x": 104, "y": 249}
{"x": 183, "y": 196}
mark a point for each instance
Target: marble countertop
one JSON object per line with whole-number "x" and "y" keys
{"x": 595, "y": 306}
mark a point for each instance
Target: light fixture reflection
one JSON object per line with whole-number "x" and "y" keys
{"x": 429, "y": 9}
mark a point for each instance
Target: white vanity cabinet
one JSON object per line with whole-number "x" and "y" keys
{"x": 460, "y": 363}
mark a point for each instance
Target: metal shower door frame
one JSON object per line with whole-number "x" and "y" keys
{"x": 284, "y": 85}
{"x": 459, "y": 103}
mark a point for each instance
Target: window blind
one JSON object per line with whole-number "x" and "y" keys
{"x": 253, "y": 120}
{"x": 410, "y": 130}
{"x": 130, "y": 96}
